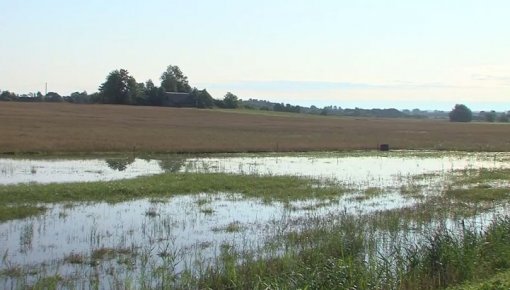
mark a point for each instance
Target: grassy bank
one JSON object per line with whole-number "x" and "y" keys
{"x": 46, "y": 127}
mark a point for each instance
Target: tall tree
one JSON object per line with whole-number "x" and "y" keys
{"x": 461, "y": 113}
{"x": 230, "y": 101}
{"x": 152, "y": 93}
{"x": 173, "y": 80}
{"x": 119, "y": 88}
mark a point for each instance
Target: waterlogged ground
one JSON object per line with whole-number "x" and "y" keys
{"x": 358, "y": 169}
{"x": 149, "y": 241}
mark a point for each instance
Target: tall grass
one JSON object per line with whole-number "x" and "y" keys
{"x": 343, "y": 256}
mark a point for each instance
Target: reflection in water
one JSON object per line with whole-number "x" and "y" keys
{"x": 14, "y": 171}
{"x": 367, "y": 171}
{"x": 119, "y": 164}
{"x": 172, "y": 165}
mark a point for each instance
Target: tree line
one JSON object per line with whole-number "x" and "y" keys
{"x": 122, "y": 88}
{"x": 175, "y": 91}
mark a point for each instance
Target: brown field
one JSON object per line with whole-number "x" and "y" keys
{"x": 54, "y": 128}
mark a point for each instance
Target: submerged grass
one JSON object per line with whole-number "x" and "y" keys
{"x": 18, "y": 200}
{"x": 479, "y": 194}
{"x": 20, "y": 211}
{"x": 483, "y": 185}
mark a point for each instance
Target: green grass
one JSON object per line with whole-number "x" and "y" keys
{"x": 343, "y": 256}
{"x": 500, "y": 281}
{"x": 479, "y": 194}
{"x": 19, "y": 200}
{"x": 480, "y": 186}
{"x": 482, "y": 176}
{"x": 19, "y": 211}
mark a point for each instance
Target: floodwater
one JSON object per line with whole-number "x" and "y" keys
{"x": 14, "y": 171}
{"x": 373, "y": 170}
{"x": 182, "y": 232}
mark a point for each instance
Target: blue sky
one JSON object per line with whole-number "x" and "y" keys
{"x": 400, "y": 53}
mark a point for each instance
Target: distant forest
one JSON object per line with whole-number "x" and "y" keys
{"x": 174, "y": 91}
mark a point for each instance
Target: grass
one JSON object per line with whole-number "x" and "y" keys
{"x": 339, "y": 257}
{"x": 207, "y": 211}
{"x": 46, "y": 127}
{"x": 500, "y": 281}
{"x": 18, "y": 200}
{"x": 20, "y": 211}
{"x": 233, "y": 227}
{"x": 484, "y": 185}
{"x": 480, "y": 194}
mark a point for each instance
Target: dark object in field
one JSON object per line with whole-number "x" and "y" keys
{"x": 384, "y": 147}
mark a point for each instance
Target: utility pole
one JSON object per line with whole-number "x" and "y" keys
{"x": 46, "y": 89}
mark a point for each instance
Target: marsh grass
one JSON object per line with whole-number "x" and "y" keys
{"x": 17, "y": 200}
{"x": 207, "y": 211}
{"x": 483, "y": 185}
{"x": 423, "y": 246}
{"x": 481, "y": 176}
{"x": 500, "y": 281}
{"x": 479, "y": 194}
{"x": 14, "y": 211}
{"x": 75, "y": 258}
{"x": 343, "y": 256}
{"x": 232, "y": 227}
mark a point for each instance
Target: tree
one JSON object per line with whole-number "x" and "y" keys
{"x": 173, "y": 80}
{"x": 490, "y": 116}
{"x": 230, "y": 101}
{"x": 119, "y": 88}
{"x": 78, "y": 98}
{"x": 503, "y": 117}
{"x": 53, "y": 97}
{"x": 152, "y": 93}
{"x": 8, "y": 96}
{"x": 201, "y": 98}
{"x": 461, "y": 113}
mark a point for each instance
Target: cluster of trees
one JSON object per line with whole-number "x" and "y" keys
{"x": 286, "y": 108}
{"x": 122, "y": 88}
{"x": 493, "y": 116}
{"x": 461, "y": 113}
{"x": 358, "y": 112}
{"x": 255, "y": 104}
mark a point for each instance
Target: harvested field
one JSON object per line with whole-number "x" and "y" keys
{"x": 46, "y": 127}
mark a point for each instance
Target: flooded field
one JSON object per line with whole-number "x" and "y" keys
{"x": 374, "y": 170}
{"x": 174, "y": 241}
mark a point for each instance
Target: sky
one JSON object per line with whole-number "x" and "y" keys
{"x": 400, "y": 54}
